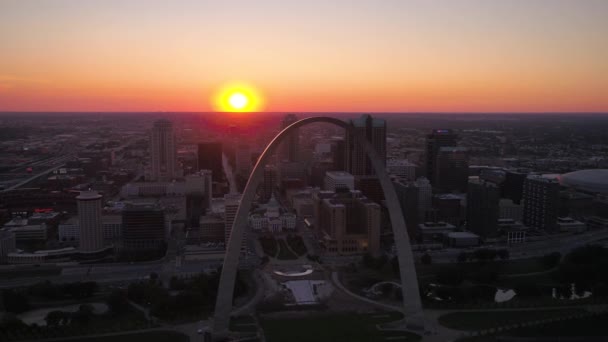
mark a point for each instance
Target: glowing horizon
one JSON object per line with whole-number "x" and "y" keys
{"x": 314, "y": 56}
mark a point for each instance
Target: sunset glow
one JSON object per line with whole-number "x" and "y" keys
{"x": 392, "y": 56}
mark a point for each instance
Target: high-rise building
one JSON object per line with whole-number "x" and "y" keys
{"x": 407, "y": 192}
{"x": 452, "y": 169}
{"x": 541, "y": 202}
{"x": 291, "y": 143}
{"x": 483, "y": 200}
{"x": 338, "y": 151}
{"x": 163, "y": 155}
{"x": 243, "y": 159}
{"x": 89, "y": 221}
{"x": 437, "y": 139}
{"x": 513, "y": 186}
{"x": 143, "y": 227}
{"x": 401, "y": 168}
{"x": 231, "y": 205}
{"x": 7, "y": 243}
{"x": 425, "y": 197}
{"x": 374, "y": 130}
{"x": 351, "y": 222}
{"x": 339, "y": 179}
{"x": 270, "y": 181}
{"x": 210, "y": 158}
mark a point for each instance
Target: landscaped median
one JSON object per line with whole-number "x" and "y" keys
{"x": 347, "y": 327}
{"x": 483, "y": 320}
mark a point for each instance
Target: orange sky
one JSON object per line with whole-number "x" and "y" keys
{"x": 392, "y": 55}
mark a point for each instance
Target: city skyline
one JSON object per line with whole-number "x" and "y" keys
{"x": 414, "y": 56}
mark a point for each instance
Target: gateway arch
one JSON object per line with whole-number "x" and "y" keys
{"x": 412, "y": 306}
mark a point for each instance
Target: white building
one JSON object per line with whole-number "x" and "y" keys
{"x": 89, "y": 221}
{"x": 402, "y": 168}
{"x": 272, "y": 219}
{"x": 339, "y": 179}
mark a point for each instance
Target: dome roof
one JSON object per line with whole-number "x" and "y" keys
{"x": 594, "y": 180}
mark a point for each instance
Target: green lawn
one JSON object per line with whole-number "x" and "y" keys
{"x": 297, "y": 244}
{"x": 150, "y": 336}
{"x": 493, "y": 319}
{"x": 269, "y": 245}
{"x": 349, "y": 327}
{"x": 284, "y": 252}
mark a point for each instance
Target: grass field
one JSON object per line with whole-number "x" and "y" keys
{"x": 297, "y": 244}
{"x": 334, "y": 328}
{"x": 284, "y": 252}
{"x": 493, "y": 319}
{"x": 269, "y": 245}
{"x": 149, "y": 336}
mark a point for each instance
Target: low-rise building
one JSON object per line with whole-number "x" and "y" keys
{"x": 568, "y": 224}
{"x": 462, "y": 239}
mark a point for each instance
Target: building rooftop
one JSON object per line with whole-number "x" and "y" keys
{"x": 594, "y": 180}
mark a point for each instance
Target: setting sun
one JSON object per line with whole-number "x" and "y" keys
{"x": 238, "y": 98}
{"x": 238, "y": 101}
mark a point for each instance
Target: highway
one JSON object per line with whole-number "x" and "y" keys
{"x": 562, "y": 244}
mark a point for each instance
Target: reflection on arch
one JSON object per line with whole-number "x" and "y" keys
{"x": 412, "y": 306}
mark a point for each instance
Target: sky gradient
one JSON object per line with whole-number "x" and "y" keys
{"x": 388, "y": 55}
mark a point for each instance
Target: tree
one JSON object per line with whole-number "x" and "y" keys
{"x": 117, "y": 302}
{"x": 15, "y": 301}
{"x": 484, "y": 254}
{"x": 551, "y": 260}
{"x": 463, "y": 257}
{"x": 426, "y": 259}
{"x": 503, "y": 254}
{"x": 54, "y": 317}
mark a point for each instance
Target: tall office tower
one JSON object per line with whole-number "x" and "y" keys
{"x": 357, "y": 162}
{"x": 513, "y": 186}
{"x": 89, "y": 221}
{"x": 243, "y": 159}
{"x": 437, "y": 139}
{"x": 270, "y": 180}
{"x": 425, "y": 197}
{"x": 541, "y": 202}
{"x": 483, "y": 208}
{"x": 452, "y": 169}
{"x": 162, "y": 151}
{"x": 7, "y": 244}
{"x": 338, "y": 151}
{"x": 291, "y": 143}
{"x": 407, "y": 192}
{"x": 401, "y": 168}
{"x": 197, "y": 191}
{"x": 210, "y": 158}
{"x": 231, "y": 205}
{"x": 351, "y": 222}
{"x": 143, "y": 227}
{"x": 335, "y": 180}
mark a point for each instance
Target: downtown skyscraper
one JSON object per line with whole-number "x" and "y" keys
{"x": 162, "y": 151}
